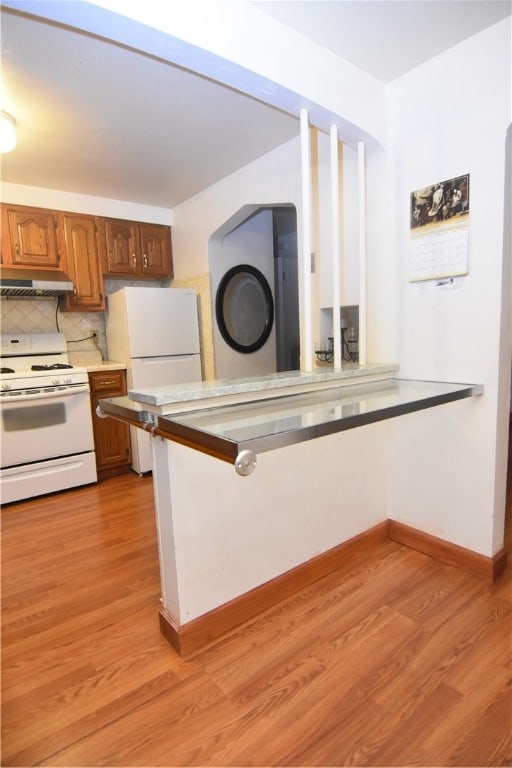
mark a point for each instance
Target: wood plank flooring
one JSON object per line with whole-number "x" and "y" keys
{"x": 397, "y": 660}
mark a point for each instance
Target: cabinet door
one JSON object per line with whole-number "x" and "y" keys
{"x": 29, "y": 237}
{"x": 122, "y": 247}
{"x": 156, "y": 250}
{"x": 111, "y": 437}
{"x": 80, "y": 241}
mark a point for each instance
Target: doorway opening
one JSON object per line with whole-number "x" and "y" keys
{"x": 253, "y": 264}
{"x": 286, "y": 289}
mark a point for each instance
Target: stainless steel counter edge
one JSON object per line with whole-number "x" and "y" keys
{"x": 124, "y": 409}
{"x": 242, "y": 452}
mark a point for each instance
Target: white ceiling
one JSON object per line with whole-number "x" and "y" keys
{"x": 387, "y": 38}
{"x": 99, "y": 119}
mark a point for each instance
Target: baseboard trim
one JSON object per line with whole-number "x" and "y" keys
{"x": 452, "y": 554}
{"x": 197, "y": 634}
{"x": 208, "y": 628}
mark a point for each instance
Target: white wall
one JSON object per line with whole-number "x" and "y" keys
{"x": 269, "y": 181}
{"x": 229, "y": 534}
{"x": 450, "y": 117}
{"x": 70, "y": 201}
{"x": 349, "y": 217}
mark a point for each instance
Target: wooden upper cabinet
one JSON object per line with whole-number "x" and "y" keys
{"x": 29, "y": 238}
{"x": 79, "y": 235}
{"x": 85, "y": 247}
{"x": 122, "y": 250}
{"x": 156, "y": 250}
{"x": 135, "y": 249}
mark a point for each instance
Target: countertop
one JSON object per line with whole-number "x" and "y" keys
{"x": 90, "y": 359}
{"x": 236, "y": 433}
{"x": 177, "y": 397}
{"x": 105, "y": 365}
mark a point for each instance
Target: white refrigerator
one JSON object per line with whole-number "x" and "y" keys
{"x": 155, "y": 333}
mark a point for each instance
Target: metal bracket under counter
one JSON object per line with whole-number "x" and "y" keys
{"x": 237, "y": 433}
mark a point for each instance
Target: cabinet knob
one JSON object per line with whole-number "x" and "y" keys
{"x": 145, "y": 261}
{"x": 134, "y": 261}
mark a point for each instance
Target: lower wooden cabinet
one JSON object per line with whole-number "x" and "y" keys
{"x": 111, "y": 437}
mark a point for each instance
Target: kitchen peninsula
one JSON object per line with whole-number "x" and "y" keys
{"x": 231, "y": 543}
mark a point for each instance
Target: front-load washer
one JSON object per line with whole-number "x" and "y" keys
{"x": 244, "y": 308}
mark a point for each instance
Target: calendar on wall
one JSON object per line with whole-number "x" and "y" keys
{"x": 439, "y": 230}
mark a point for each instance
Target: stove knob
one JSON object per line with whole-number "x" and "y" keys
{"x": 5, "y": 386}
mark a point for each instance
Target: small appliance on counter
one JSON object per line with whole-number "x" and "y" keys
{"x": 46, "y": 423}
{"x": 155, "y": 333}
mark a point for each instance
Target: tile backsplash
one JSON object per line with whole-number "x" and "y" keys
{"x": 44, "y": 316}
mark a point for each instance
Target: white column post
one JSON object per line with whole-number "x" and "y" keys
{"x": 335, "y": 241}
{"x": 361, "y": 167}
{"x": 307, "y": 363}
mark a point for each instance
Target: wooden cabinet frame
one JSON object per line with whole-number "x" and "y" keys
{"x": 85, "y": 247}
{"x": 111, "y": 438}
{"x": 29, "y": 238}
{"x": 79, "y": 237}
{"x": 136, "y": 249}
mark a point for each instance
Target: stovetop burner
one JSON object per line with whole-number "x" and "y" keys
{"x": 6, "y": 370}
{"x": 53, "y": 367}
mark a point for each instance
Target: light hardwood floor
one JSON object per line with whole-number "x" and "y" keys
{"x": 397, "y": 660}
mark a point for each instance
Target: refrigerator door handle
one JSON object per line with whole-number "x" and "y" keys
{"x": 149, "y": 360}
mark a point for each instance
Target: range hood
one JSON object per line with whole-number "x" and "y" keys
{"x": 33, "y": 283}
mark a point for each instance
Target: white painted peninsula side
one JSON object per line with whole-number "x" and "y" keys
{"x": 233, "y": 539}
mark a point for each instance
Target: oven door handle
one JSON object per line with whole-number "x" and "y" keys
{"x": 74, "y": 389}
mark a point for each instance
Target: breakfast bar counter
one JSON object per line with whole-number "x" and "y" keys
{"x": 230, "y": 546}
{"x": 236, "y": 420}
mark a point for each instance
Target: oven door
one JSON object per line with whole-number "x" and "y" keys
{"x": 46, "y": 426}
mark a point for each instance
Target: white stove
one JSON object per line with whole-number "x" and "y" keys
{"x": 46, "y": 421}
{"x": 36, "y": 362}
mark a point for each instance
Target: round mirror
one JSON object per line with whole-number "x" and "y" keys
{"x": 244, "y": 308}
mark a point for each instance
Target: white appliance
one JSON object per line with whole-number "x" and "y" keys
{"x": 46, "y": 423}
{"x": 155, "y": 333}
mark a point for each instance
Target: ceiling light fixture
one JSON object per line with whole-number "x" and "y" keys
{"x": 7, "y": 132}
